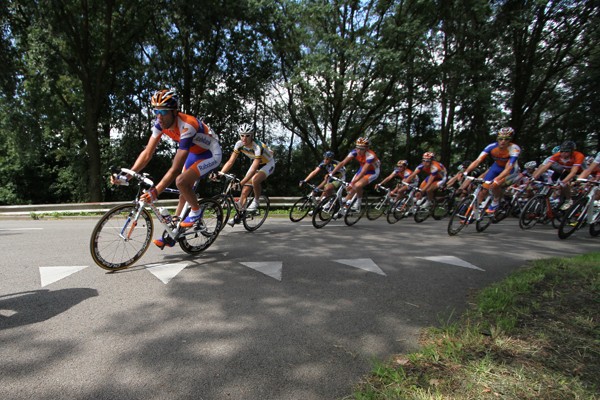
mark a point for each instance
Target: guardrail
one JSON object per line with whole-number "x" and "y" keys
{"x": 75, "y": 208}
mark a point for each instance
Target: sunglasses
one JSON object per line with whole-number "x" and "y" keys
{"x": 161, "y": 112}
{"x": 503, "y": 139}
{"x": 245, "y": 135}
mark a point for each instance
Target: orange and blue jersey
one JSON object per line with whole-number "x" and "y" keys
{"x": 192, "y": 134}
{"x": 558, "y": 163}
{"x": 435, "y": 169}
{"x": 500, "y": 156}
{"x": 402, "y": 175}
{"x": 368, "y": 161}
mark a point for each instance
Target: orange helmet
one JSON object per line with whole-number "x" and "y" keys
{"x": 363, "y": 142}
{"x": 428, "y": 156}
{"x": 165, "y": 99}
{"x": 402, "y": 163}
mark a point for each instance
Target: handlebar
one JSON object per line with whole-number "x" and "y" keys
{"x": 229, "y": 177}
{"x": 588, "y": 181}
{"x": 141, "y": 177}
{"x": 343, "y": 182}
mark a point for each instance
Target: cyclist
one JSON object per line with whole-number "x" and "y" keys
{"x": 436, "y": 178}
{"x": 327, "y": 165}
{"x": 367, "y": 172}
{"x": 505, "y": 168}
{"x": 593, "y": 168}
{"x": 262, "y": 166}
{"x": 402, "y": 172}
{"x": 199, "y": 152}
{"x": 566, "y": 163}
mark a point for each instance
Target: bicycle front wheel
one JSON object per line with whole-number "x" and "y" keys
{"x": 441, "y": 209}
{"x": 118, "y": 240}
{"x": 355, "y": 211}
{"x": 324, "y": 212}
{"x": 254, "y": 219}
{"x": 199, "y": 238}
{"x": 226, "y": 204}
{"x": 533, "y": 211}
{"x": 422, "y": 213}
{"x": 573, "y": 219}
{"x": 300, "y": 209}
{"x": 462, "y": 216}
{"x": 377, "y": 208}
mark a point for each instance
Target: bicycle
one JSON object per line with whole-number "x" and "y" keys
{"x": 441, "y": 207}
{"x": 124, "y": 233}
{"x": 512, "y": 203}
{"x": 471, "y": 210}
{"x": 405, "y": 206}
{"x": 584, "y": 211}
{"x": 541, "y": 208}
{"x": 252, "y": 220}
{"x": 305, "y": 204}
{"x": 381, "y": 206}
{"x": 333, "y": 207}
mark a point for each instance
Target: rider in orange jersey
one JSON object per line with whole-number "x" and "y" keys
{"x": 436, "y": 177}
{"x": 402, "y": 172}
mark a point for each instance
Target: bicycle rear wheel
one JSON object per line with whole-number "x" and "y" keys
{"x": 532, "y": 212}
{"x": 324, "y": 212}
{"x": 484, "y": 221}
{"x": 573, "y": 219}
{"x": 462, "y": 216}
{"x": 401, "y": 208}
{"x": 441, "y": 209}
{"x": 254, "y": 219}
{"x": 300, "y": 209}
{"x": 503, "y": 210}
{"x": 117, "y": 240}
{"x": 377, "y": 208}
{"x": 422, "y": 213}
{"x": 352, "y": 215}
{"x": 199, "y": 238}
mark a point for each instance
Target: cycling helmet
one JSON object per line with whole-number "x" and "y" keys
{"x": 530, "y": 164}
{"x": 428, "y": 156}
{"x": 402, "y": 163}
{"x": 245, "y": 129}
{"x": 589, "y": 160}
{"x": 363, "y": 142}
{"x": 328, "y": 154}
{"x": 555, "y": 149}
{"x": 506, "y": 133}
{"x": 568, "y": 146}
{"x": 165, "y": 99}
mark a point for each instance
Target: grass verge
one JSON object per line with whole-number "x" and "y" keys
{"x": 535, "y": 335}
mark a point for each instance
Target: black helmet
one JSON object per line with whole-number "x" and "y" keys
{"x": 568, "y": 146}
{"x": 328, "y": 154}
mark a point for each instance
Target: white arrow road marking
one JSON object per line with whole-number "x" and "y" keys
{"x": 21, "y": 229}
{"x": 452, "y": 261}
{"x": 7, "y": 313}
{"x": 165, "y": 272}
{"x": 363, "y": 263}
{"x": 270, "y": 268}
{"x": 50, "y": 275}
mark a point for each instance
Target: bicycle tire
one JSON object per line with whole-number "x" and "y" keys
{"x": 595, "y": 225}
{"x": 391, "y": 216}
{"x": 401, "y": 209}
{"x": 193, "y": 240}
{"x": 441, "y": 209}
{"x": 462, "y": 216}
{"x": 227, "y": 206}
{"x": 352, "y": 217}
{"x": 573, "y": 219}
{"x": 300, "y": 209}
{"x": 254, "y": 219}
{"x": 324, "y": 212}
{"x": 421, "y": 214}
{"x": 504, "y": 209}
{"x": 377, "y": 208}
{"x": 109, "y": 249}
{"x": 533, "y": 212}
{"x": 484, "y": 222}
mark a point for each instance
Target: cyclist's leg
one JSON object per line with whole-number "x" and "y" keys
{"x": 196, "y": 166}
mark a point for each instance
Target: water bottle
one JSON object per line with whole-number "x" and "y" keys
{"x": 165, "y": 214}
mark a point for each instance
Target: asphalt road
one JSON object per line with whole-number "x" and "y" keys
{"x": 286, "y": 312}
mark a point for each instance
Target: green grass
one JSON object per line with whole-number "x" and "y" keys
{"x": 535, "y": 335}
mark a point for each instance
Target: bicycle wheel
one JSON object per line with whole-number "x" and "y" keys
{"x": 300, "y": 209}
{"x": 199, "y": 238}
{"x": 352, "y": 216}
{"x": 225, "y": 203}
{"x": 421, "y": 214}
{"x": 254, "y": 219}
{"x": 573, "y": 219}
{"x": 117, "y": 240}
{"x": 532, "y": 212}
{"x": 503, "y": 210}
{"x": 324, "y": 212}
{"x": 377, "y": 208}
{"x": 401, "y": 208}
{"x": 595, "y": 225}
{"x": 484, "y": 221}
{"x": 391, "y": 215}
{"x": 462, "y": 216}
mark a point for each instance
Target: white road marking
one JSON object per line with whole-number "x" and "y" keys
{"x": 363, "y": 263}
{"x": 21, "y": 229}
{"x": 165, "y": 272}
{"x": 452, "y": 261}
{"x": 269, "y": 268}
{"x": 7, "y": 313}
{"x": 50, "y": 275}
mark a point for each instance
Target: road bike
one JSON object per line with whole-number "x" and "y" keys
{"x": 333, "y": 207}
{"x": 251, "y": 219}
{"x": 470, "y": 210}
{"x": 584, "y": 211}
{"x": 305, "y": 204}
{"x": 512, "y": 203}
{"x": 542, "y": 207}
{"x": 124, "y": 233}
{"x": 382, "y": 205}
{"x": 405, "y": 206}
{"x": 441, "y": 207}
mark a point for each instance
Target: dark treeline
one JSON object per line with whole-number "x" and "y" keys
{"x": 312, "y": 75}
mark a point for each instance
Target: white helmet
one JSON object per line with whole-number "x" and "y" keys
{"x": 530, "y": 164}
{"x": 245, "y": 129}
